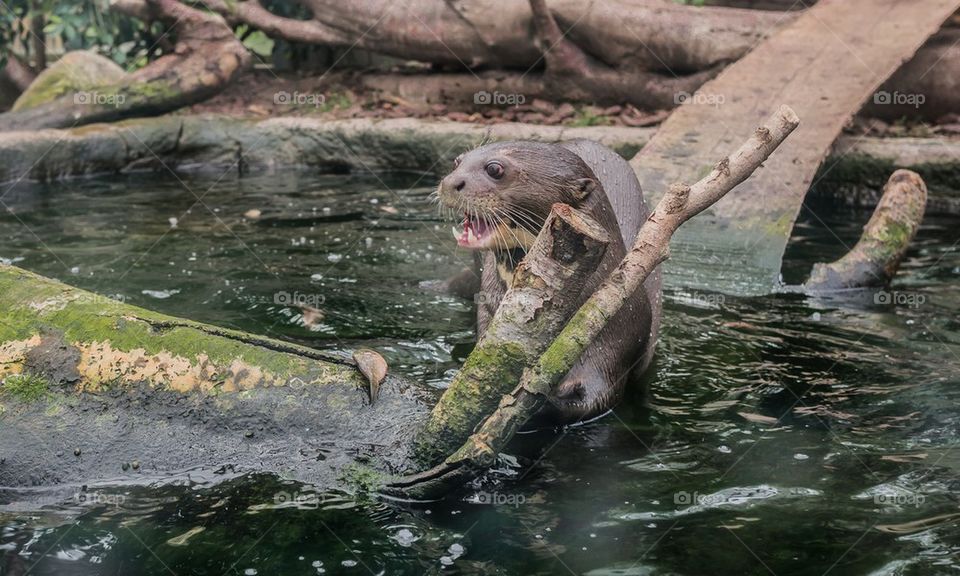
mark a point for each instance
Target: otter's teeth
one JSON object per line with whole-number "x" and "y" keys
{"x": 456, "y": 233}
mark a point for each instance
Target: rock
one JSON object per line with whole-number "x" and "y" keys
{"x": 79, "y": 71}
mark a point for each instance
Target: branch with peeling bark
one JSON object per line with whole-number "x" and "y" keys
{"x": 543, "y": 296}
{"x": 650, "y": 248}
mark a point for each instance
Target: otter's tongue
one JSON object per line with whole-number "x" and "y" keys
{"x": 474, "y": 231}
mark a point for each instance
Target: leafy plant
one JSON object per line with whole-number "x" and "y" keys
{"x": 79, "y": 25}
{"x": 587, "y": 116}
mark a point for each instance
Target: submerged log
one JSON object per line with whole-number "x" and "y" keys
{"x": 95, "y": 389}
{"x": 91, "y": 385}
{"x": 886, "y": 237}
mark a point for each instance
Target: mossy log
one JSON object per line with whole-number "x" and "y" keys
{"x": 92, "y": 386}
{"x": 886, "y": 237}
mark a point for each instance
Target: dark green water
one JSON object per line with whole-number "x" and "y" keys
{"x": 776, "y": 435}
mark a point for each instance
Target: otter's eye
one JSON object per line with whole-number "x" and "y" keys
{"x": 495, "y": 170}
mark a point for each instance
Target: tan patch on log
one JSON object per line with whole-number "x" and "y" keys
{"x": 101, "y": 363}
{"x": 243, "y": 376}
{"x": 14, "y": 353}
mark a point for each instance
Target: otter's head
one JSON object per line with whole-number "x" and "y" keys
{"x": 503, "y": 192}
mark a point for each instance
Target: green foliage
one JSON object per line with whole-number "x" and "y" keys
{"x": 92, "y": 25}
{"x": 588, "y": 117}
{"x": 255, "y": 41}
{"x": 336, "y": 101}
{"x": 81, "y": 25}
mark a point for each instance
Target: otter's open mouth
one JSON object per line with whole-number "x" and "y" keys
{"x": 475, "y": 232}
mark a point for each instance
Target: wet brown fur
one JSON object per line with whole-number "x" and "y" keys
{"x": 537, "y": 175}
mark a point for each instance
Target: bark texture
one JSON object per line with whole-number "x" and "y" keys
{"x": 826, "y": 87}
{"x": 886, "y": 237}
{"x": 645, "y": 52}
{"x": 17, "y": 73}
{"x": 15, "y": 76}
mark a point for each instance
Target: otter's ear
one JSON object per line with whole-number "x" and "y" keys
{"x": 583, "y": 187}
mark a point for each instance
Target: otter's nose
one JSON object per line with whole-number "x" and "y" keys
{"x": 454, "y": 182}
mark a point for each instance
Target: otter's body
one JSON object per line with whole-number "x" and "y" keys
{"x": 507, "y": 212}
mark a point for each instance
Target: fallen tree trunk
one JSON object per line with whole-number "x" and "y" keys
{"x": 650, "y": 248}
{"x": 670, "y": 49}
{"x": 207, "y": 57}
{"x": 94, "y": 389}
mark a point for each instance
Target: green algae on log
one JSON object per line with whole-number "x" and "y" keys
{"x": 82, "y": 372}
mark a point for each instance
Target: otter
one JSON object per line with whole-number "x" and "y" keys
{"x": 503, "y": 192}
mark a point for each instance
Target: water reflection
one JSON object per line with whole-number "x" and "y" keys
{"x": 780, "y": 434}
